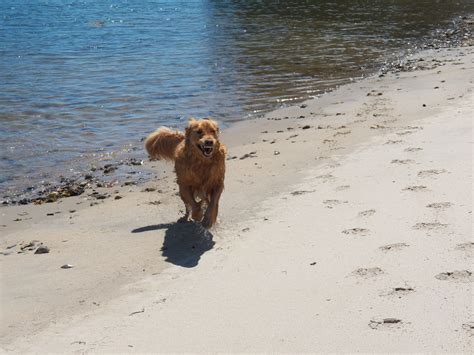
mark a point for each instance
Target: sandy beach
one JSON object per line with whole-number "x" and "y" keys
{"x": 345, "y": 226}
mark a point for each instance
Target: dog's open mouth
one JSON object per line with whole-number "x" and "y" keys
{"x": 206, "y": 150}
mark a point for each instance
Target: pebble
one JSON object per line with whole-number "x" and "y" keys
{"x": 109, "y": 169}
{"x": 43, "y": 249}
{"x": 67, "y": 266}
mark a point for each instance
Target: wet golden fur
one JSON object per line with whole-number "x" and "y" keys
{"x": 199, "y": 176}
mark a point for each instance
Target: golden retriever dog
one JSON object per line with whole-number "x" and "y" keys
{"x": 199, "y": 159}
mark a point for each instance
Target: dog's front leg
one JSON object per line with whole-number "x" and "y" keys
{"x": 211, "y": 213}
{"x": 192, "y": 206}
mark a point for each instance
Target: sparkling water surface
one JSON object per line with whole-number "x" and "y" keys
{"x": 80, "y": 80}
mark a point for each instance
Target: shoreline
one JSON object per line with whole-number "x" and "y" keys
{"x": 381, "y": 113}
{"x": 122, "y": 167}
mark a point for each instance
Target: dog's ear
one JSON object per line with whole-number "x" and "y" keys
{"x": 216, "y": 125}
{"x": 191, "y": 124}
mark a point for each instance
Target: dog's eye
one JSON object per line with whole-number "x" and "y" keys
{"x": 199, "y": 131}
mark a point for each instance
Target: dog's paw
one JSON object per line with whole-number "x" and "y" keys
{"x": 183, "y": 219}
{"x": 197, "y": 215}
{"x": 206, "y": 223}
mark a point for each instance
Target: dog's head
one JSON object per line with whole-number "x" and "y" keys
{"x": 203, "y": 137}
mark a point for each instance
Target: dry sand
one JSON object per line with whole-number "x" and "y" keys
{"x": 346, "y": 225}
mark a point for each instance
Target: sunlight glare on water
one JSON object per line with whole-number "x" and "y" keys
{"x": 82, "y": 78}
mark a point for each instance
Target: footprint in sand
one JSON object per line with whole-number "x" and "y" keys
{"x": 341, "y": 133}
{"x": 469, "y": 326}
{"x": 301, "y": 192}
{"x": 368, "y": 272}
{"x": 398, "y": 292}
{"x": 429, "y": 226}
{"x": 439, "y": 205}
{"x": 378, "y": 126}
{"x": 333, "y": 203}
{"x": 415, "y": 188}
{"x": 390, "y": 141}
{"x": 394, "y": 247}
{"x": 325, "y": 177}
{"x": 248, "y": 155}
{"x": 385, "y": 323}
{"x": 466, "y": 248}
{"x": 390, "y": 120}
{"x": 329, "y": 141}
{"x": 402, "y": 161}
{"x": 412, "y": 149}
{"x": 374, "y": 93}
{"x": 456, "y": 276}
{"x": 404, "y": 133}
{"x": 356, "y": 231}
{"x": 367, "y": 213}
{"x": 469, "y": 246}
{"x": 431, "y": 172}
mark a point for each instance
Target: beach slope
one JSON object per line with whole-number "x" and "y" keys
{"x": 346, "y": 226}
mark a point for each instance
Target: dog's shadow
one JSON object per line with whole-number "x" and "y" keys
{"x": 184, "y": 243}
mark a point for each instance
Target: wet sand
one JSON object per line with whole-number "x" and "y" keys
{"x": 345, "y": 226}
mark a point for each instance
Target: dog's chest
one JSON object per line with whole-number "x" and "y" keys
{"x": 196, "y": 175}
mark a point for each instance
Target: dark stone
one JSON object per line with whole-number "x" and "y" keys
{"x": 109, "y": 169}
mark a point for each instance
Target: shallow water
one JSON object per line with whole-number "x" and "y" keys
{"x": 81, "y": 79}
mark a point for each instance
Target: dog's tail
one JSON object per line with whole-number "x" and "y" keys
{"x": 162, "y": 143}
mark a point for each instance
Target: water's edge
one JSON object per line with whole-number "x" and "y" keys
{"x": 125, "y": 167}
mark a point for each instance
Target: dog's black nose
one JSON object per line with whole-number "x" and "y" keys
{"x": 208, "y": 142}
